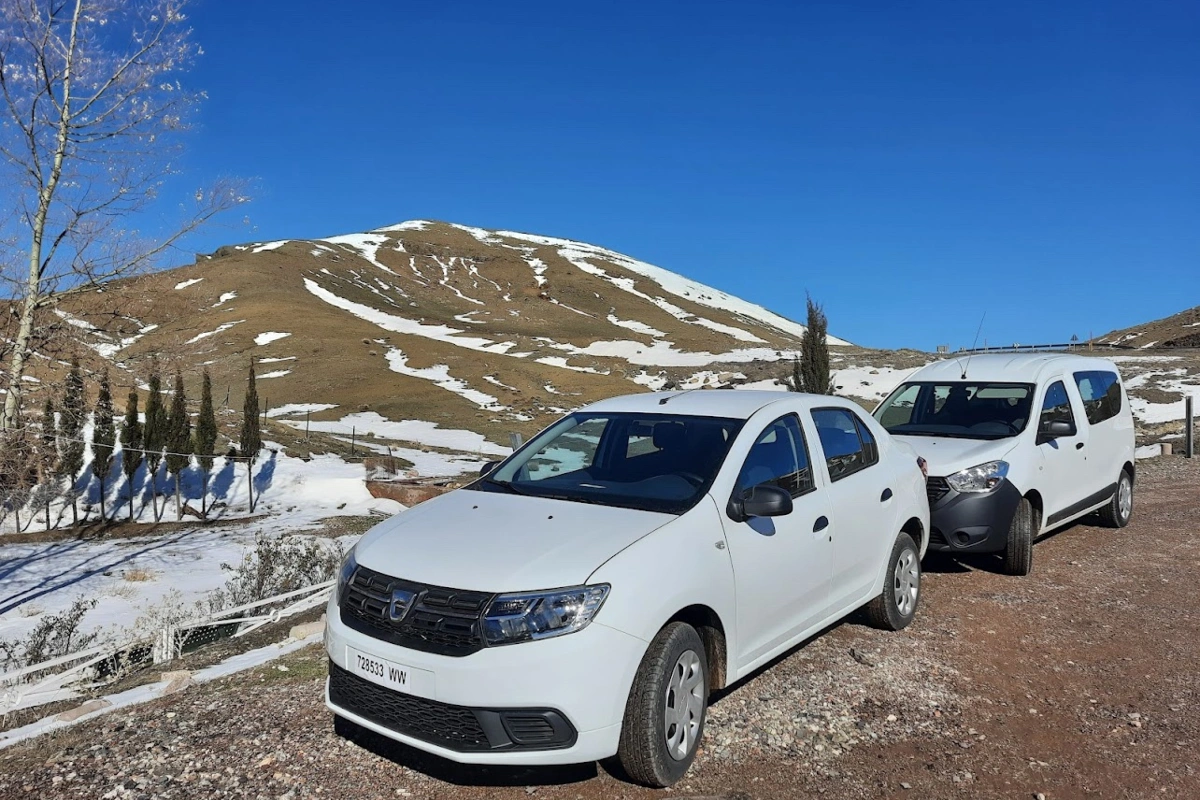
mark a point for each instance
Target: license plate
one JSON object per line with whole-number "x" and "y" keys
{"x": 398, "y": 677}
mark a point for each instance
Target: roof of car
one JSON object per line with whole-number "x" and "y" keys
{"x": 736, "y": 404}
{"x": 1009, "y": 367}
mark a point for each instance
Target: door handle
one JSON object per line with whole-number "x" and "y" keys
{"x": 887, "y": 495}
{"x": 1079, "y": 445}
{"x": 821, "y": 524}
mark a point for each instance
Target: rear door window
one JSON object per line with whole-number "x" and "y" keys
{"x": 841, "y": 434}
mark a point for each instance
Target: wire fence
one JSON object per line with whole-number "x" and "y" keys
{"x": 170, "y": 636}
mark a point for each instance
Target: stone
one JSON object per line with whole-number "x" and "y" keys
{"x": 308, "y": 629}
{"x": 80, "y": 711}
{"x": 176, "y": 680}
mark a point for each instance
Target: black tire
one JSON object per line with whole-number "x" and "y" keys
{"x": 1112, "y": 515}
{"x": 1018, "y": 553}
{"x": 885, "y": 611}
{"x": 643, "y": 751}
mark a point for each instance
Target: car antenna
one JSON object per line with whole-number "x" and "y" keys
{"x": 664, "y": 400}
{"x": 978, "y": 331}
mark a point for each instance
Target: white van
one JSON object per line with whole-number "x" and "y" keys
{"x": 1016, "y": 445}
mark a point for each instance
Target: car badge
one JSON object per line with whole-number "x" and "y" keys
{"x": 401, "y": 601}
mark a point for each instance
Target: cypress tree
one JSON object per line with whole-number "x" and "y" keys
{"x": 251, "y": 438}
{"x": 206, "y": 437}
{"x": 104, "y": 437}
{"x": 155, "y": 433}
{"x": 132, "y": 442}
{"x": 49, "y": 457}
{"x": 814, "y": 352}
{"x": 179, "y": 439}
{"x": 70, "y": 427}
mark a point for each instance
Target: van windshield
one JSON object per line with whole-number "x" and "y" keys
{"x": 962, "y": 410}
{"x": 652, "y": 462}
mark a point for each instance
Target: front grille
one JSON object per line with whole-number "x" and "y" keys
{"x": 454, "y": 727}
{"x": 436, "y": 619}
{"x": 936, "y": 488}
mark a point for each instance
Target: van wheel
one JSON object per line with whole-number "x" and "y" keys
{"x": 896, "y": 605}
{"x": 1018, "y": 554}
{"x": 1118, "y": 511}
{"x": 664, "y": 716}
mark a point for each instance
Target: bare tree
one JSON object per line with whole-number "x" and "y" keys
{"x": 91, "y": 112}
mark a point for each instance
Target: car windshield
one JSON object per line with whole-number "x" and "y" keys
{"x": 962, "y": 410}
{"x": 653, "y": 462}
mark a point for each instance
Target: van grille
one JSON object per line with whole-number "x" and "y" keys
{"x": 936, "y": 488}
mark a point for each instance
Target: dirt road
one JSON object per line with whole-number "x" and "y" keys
{"x": 1081, "y": 680}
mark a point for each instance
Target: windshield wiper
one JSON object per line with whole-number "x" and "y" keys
{"x": 509, "y": 487}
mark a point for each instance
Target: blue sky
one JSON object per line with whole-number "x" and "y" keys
{"x": 913, "y": 165}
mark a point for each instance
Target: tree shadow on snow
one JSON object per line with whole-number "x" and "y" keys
{"x": 266, "y": 474}
{"x": 221, "y": 482}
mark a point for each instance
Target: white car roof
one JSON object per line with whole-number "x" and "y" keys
{"x": 734, "y": 404}
{"x": 1008, "y": 367}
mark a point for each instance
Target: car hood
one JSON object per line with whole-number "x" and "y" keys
{"x": 483, "y": 541}
{"x": 947, "y": 455}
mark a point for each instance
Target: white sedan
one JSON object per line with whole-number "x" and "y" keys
{"x": 585, "y": 596}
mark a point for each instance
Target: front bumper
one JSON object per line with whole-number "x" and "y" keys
{"x": 971, "y": 522}
{"x": 555, "y": 701}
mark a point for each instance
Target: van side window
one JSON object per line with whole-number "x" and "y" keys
{"x": 841, "y": 433}
{"x": 1101, "y": 393}
{"x": 780, "y": 458}
{"x": 1057, "y": 407}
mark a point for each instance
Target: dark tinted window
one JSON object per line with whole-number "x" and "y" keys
{"x": 1101, "y": 393}
{"x": 1057, "y": 407}
{"x": 845, "y": 451}
{"x": 779, "y": 458}
{"x": 870, "y": 449}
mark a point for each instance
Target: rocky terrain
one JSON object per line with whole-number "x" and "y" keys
{"x": 1077, "y": 681}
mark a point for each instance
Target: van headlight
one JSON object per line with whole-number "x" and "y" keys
{"x": 346, "y": 573}
{"x": 980, "y": 478}
{"x": 513, "y": 618}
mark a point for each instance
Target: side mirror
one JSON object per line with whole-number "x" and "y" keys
{"x": 487, "y": 468}
{"x": 1055, "y": 429}
{"x": 763, "y": 500}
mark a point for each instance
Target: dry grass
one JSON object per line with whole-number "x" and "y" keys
{"x": 138, "y": 575}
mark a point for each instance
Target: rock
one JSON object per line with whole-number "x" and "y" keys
{"x": 87, "y": 708}
{"x": 176, "y": 680}
{"x": 307, "y": 629}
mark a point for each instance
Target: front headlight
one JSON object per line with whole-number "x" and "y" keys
{"x": 513, "y": 618}
{"x": 346, "y": 573}
{"x": 980, "y": 478}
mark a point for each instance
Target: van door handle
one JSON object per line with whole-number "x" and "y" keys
{"x": 821, "y": 524}
{"x": 1079, "y": 445}
{"x": 887, "y": 495}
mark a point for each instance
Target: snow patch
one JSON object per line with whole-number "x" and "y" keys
{"x": 439, "y": 374}
{"x": 187, "y": 283}
{"x": 298, "y": 408}
{"x": 269, "y": 336}
{"x": 220, "y": 329}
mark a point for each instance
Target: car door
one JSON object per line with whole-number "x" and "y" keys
{"x": 862, "y": 501}
{"x": 1101, "y": 398}
{"x": 1062, "y": 462}
{"x": 781, "y": 564}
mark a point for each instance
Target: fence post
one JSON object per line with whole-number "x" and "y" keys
{"x": 307, "y": 420}
{"x": 353, "y": 435}
{"x": 516, "y": 440}
{"x": 1189, "y": 435}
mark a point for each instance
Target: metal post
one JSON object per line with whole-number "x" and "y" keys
{"x": 1189, "y": 434}
{"x": 307, "y": 420}
{"x": 353, "y": 434}
{"x": 516, "y": 440}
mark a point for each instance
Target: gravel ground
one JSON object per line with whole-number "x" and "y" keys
{"x": 1078, "y": 681}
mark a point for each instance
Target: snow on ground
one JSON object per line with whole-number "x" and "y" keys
{"x": 224, "y": 298}
{"x": 220, "y": 329}
{"x": 869, "y": 383}
{"x": 276, "y": 359}
{"x": 767, "y": 384}
{"x": 675, "y": 284}
{"x": 185, "y": 284}
{"x": 635, "y": 326}
{"x": 269, "y": 336}
{"x": 298, "y": 408}
{"x": 439, "y": 374}
{"x": 366, "y": 244}
{"x": 279, "y": 373}
{"x": 409, "y": 430}
{"x": 265, "y": 246}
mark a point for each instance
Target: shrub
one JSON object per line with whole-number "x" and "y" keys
{"x": 277, "y": 565}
